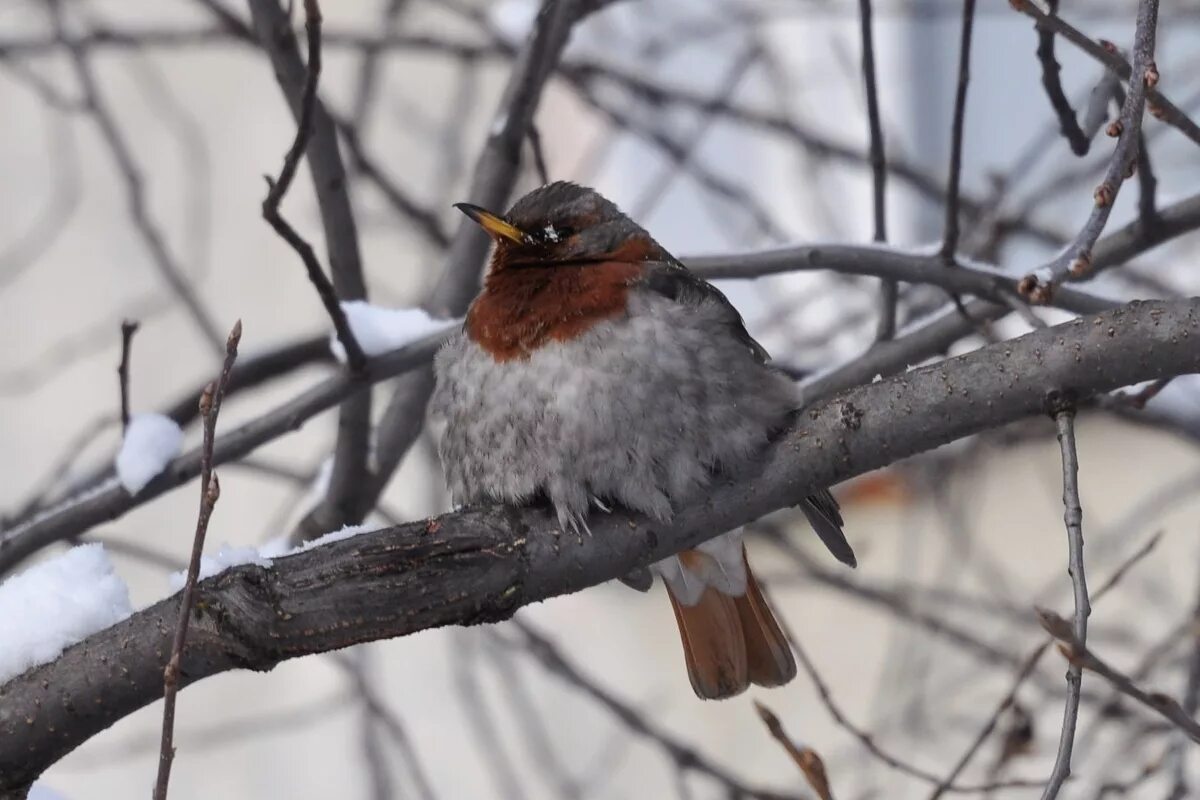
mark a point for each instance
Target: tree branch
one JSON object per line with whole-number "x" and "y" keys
{"x": 1052, "y": 82}
{"x": 1062, "y": 409}
{"x": 128, "y": 329}
{"x": 346, "y": 499}
{"x": 950, "y": 237}
{"x": 1167, "y": 111}
{"x": 885, "y": 328}
{"x": 480, "y": 565}
{"x": 210, "y": 491}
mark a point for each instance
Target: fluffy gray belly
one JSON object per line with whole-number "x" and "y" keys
{"x": 640, "y": 411}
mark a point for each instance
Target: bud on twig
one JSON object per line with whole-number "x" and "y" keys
{"x": 1082, "y": 265}
{"x": 1151, "y": 75}
{"x": 206, "y": 398}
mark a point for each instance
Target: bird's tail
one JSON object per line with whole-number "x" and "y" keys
{"x": 729, "y": 633}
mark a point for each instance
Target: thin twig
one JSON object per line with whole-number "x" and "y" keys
{"x": 135, "y": 185}
{"x": 1108, "y": 55}
{"x": 950, "y": 238}
{"x": 1081, "y": 658}
{"x": 128, "y": 329}
{"x": 1079, "y": 141}
{"x": 1063, "y": 411}
{"x": 278, "y": 187}
{"x": 888, "y": 289}
{"x": 210, "y": 492}
{"x": 868, "y": 741}
{"x": 1030, "y": 663}
{"x": 1075, "y": 261}
{"x": 680, "y": 752}
{"x": 1027, "y": 668}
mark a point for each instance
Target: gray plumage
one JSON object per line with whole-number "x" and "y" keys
{"x": 640, "y": 410}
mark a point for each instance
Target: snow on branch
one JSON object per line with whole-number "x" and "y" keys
{"x": 54, "y": 604}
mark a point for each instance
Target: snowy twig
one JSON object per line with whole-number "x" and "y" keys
{"x": 109, "y": 501}
{"x": 128, "y": 329}
{"x": 278, "y": 188}
{"x": 1062, "y": 408}
{"x": 210, "y": 491}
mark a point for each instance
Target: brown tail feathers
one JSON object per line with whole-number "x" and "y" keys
{"x": 731, "y": 641}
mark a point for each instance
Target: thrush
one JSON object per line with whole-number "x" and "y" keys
{"x": 595, "y": 369}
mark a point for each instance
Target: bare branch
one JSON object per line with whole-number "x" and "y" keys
{"x": 1062, "y": 409}
{"x": 1167, "y": 111}
{"x": 888, "y": 290}
{"x": 1071, "y": 131}
{"x": 210, "y": 491}
{"x": 278, "y": 189}
{"x": 1080, "y": 657}
{"x": 135, "y": 189}
{"x": 950, "y": 236}
{"x": 128, "y": 329}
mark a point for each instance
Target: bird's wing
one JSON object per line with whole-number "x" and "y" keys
{"x": 671, "y": 279}
{"x": 675, "y": 281}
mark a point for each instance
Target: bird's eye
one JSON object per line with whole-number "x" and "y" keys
{"x": 552, "y": 234}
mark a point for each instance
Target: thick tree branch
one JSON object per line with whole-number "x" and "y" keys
{"x": 479, "y": 565}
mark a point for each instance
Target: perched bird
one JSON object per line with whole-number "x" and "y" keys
{"x": 594, "y": 369}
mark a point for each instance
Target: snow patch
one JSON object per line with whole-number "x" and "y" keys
{"x": 334, "y": 536}
{"x": 55, "y": 604}
{"x": 380, "y": 330}
{"x": 229, "y": 556}
{"x": 150, "y": 443}
{"x": 226, "y": 556}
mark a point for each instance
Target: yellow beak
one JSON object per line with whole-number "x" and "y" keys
{"x": 495, "y": 226}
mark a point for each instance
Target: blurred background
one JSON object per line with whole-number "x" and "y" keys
{"x": 756, "y": 136}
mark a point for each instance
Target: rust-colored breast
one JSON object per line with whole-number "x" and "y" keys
{"x": 522, "y": 309}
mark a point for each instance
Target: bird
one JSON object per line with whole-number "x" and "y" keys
{"x": 594, "y": 369}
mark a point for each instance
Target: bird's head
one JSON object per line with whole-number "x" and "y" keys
{"x": 562, "y": 223}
